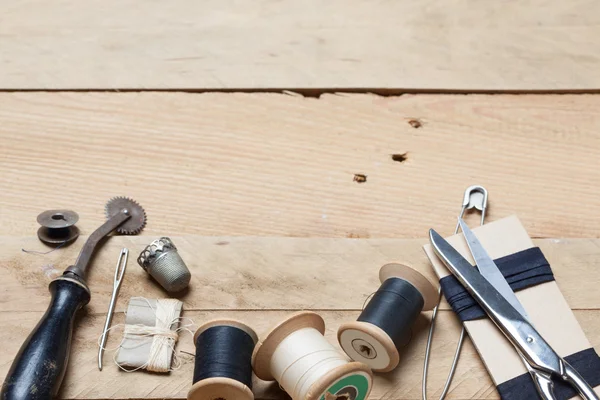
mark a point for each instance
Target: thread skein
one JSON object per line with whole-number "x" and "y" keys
{"x": 385, "y": 324}
{"x": 296, "y": 354}
{"x": 150, "y": 334}
{"x": 223, "y": 367}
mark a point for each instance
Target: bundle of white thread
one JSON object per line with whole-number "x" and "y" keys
{"x": 161, "y": 337}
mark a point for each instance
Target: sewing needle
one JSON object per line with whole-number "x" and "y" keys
{"x": 119, "y": 272}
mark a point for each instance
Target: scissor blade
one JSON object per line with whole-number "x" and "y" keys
{"x": 488, "y": 268}
{"x": 528, "y": 342}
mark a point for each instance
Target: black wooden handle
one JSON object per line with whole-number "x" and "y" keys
{"x": 40, "y": 365}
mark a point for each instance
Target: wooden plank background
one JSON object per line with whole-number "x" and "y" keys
{"x": 467, "y": 45}
{"x": 282, "y": 165}
{"x": 311, "y": 174}
{"x": 260, "y": 281}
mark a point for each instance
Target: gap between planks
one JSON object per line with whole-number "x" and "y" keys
{"x": 315, "y": 92}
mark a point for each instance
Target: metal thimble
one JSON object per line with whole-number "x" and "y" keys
{"x": 162, "y": 261}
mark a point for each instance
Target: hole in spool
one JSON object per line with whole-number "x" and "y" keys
{"x": 58, "y": 217}
{"x": 329, "y": 396}
{"x": 364, "y": 348}
{"x": 346, "y": 393}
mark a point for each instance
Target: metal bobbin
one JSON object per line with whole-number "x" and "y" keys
{"x": 58, "y": 227}
{"x": 162, "y": 261}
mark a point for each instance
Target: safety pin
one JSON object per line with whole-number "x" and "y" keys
{"x": 475, "y": 197}
{"x": 119, "y": 272}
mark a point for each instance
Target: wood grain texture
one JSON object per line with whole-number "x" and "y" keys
{"x": 447, "y": 45}
{"x": 281, "y": 165}
{"x": 259, "y": 281}
{"x": 265, "y": 273}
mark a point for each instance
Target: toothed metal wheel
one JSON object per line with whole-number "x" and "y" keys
{"x": 133, "y": 225}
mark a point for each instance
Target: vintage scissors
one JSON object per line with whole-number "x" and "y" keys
{"x": 489, "y": 288}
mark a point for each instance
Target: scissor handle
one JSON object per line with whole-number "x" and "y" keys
{"x": 572, "y": 376}
{"x": 544, "y": 384}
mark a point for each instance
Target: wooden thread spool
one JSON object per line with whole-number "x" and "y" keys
{"x": 223, "y": 369}
{"x": 383, "y": 326}
{"x": 296, "y": 354}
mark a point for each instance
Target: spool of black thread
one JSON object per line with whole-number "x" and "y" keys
{"x": 223, "y": 364}
{"x": 394, "y": 308}
{"x": 385, "y": 324}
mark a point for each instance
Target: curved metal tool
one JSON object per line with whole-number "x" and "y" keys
{"x": 476, "y": 197}
{"x": 125, "y": 216}
{"x": 46, "y": 351}
{"x": 119, "y": 272}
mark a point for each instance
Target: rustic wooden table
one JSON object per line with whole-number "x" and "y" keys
{"x": 249, "y": 123}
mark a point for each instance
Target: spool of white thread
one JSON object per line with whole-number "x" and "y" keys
{"x": 296, "y": 354}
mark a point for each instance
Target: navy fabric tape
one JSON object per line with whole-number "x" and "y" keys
{"x": 586, "y": 362}
{"x": 522, "y": 270}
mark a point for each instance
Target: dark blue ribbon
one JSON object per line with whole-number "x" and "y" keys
{"x": 521, "y": 270}
{"x": 586, "y": 362}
